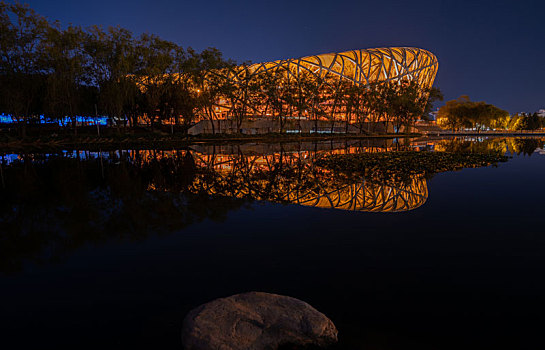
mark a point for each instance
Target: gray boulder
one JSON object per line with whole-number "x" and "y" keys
{"x": 256, "y": 321}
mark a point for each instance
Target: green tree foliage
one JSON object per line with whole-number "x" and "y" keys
{"x": 464, "y": 113}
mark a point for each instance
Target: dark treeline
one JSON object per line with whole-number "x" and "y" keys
{"x": 62, "y": 73}
{"x": 53, "y": 205}
{"x": 75, "y": 71}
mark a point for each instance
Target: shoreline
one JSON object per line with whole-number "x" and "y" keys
{"x": 507, "y": 134}
{"x": 175, "y": 141}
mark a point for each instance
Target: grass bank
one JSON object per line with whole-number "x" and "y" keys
{"x": 401, "y": 165}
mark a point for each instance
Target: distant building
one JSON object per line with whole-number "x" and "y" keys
{"x": 541, "y": 113}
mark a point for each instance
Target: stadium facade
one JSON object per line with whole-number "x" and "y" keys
{"x": 365, "y": 66}
{"x": 359, "y": 67}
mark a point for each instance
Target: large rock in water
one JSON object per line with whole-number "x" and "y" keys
{"x": 256, "y": 321}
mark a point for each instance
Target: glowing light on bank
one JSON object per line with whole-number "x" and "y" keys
{"x": 81, "y": 120}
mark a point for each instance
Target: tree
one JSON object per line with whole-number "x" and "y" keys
{"x": 534, "y": 122}
{"x": 305, "y": 88}
{"x": 183, "y": 98}
{"x": 517, "y": 122}
{"x": 112, "y": 63}
{"x": 409, "y": 102}
{"x": 208, "y": 70}
{"x": 275, "y": 87}
{"x": 353, "y": 96}
{"x": 22, "y": 75}
{"x": 67, "y": 83}
{"x": 453, "y": 114}
{"x": 47, "y": 70}
{"x": 240, "y": 88}
{"x": 179, "y": 96}
{"x": 156, "y": 65}
{"x": 463, "y": 113}
{"x": 379, "y": 99}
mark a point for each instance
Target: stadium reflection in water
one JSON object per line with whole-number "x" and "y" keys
{"x": 288, "y": 177}
{"x": 293, "y": 178}
{"x": 93, "y": 196}
{"x": 279, "y": 173}
{"x": 109, "y": 242}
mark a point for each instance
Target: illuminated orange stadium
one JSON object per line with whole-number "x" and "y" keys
{"x": 365, "y": 66}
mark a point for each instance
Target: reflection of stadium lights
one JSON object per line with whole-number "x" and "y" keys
{"x": 391, "y": 196}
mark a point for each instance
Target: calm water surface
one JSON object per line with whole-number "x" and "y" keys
{"x": 112, "y": 249}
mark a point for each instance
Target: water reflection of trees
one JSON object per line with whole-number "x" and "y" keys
{"x": 513, "y": 145}
{"x": 294, "y": 178}
{"x": 50, "y": 207}
{"x": 54, "y": 204}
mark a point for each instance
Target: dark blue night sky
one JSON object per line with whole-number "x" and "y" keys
{"x": 490, "y": 50}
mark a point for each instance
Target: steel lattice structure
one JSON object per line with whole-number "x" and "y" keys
{"x": 363, "y": 66}
{"x": 368, "y": 196}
